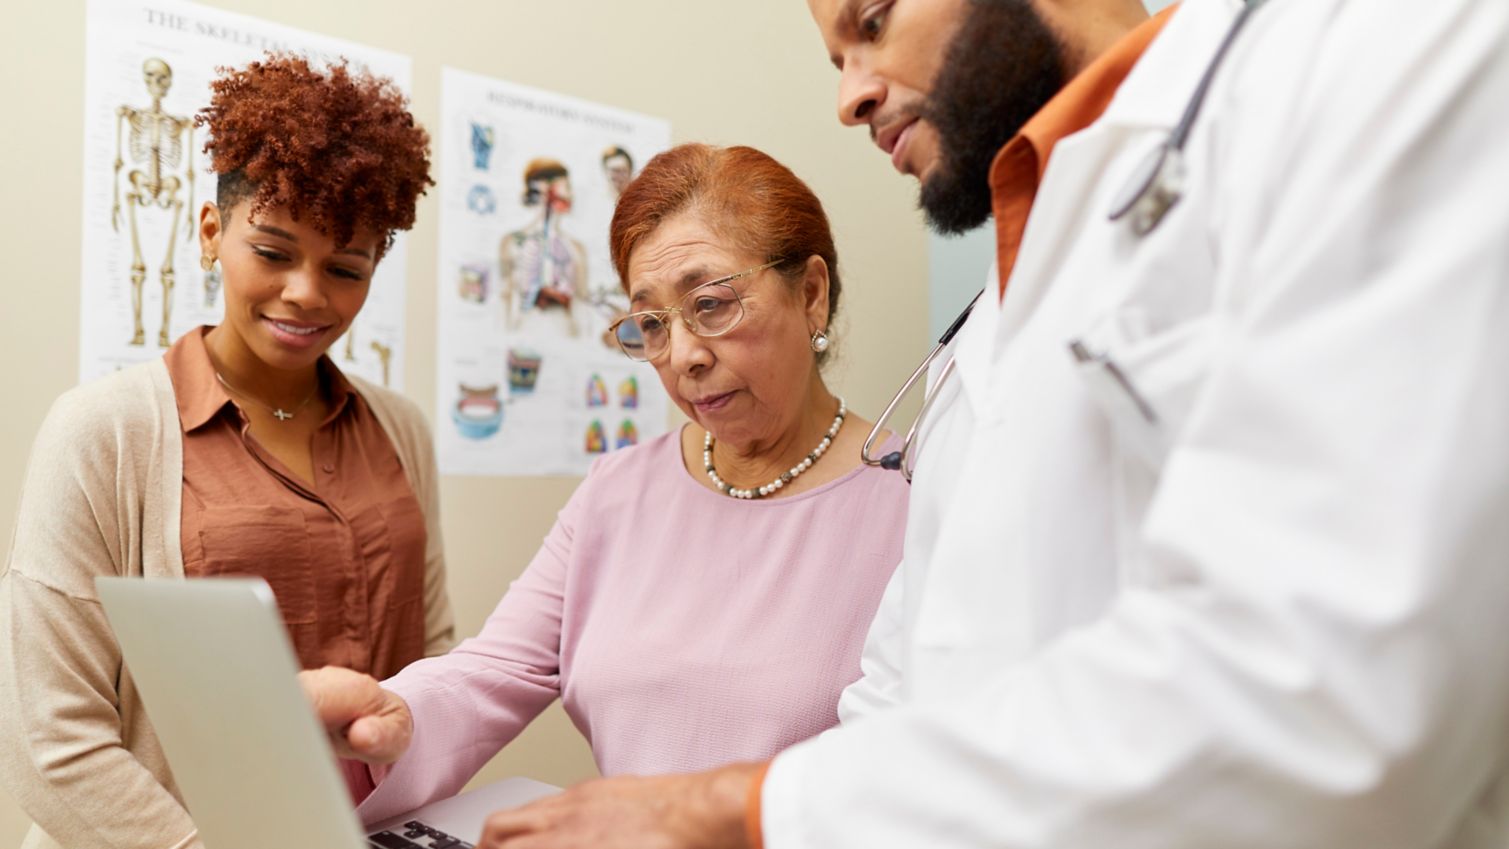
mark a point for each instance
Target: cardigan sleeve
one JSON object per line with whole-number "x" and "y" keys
{"x": 439, "y": 620}
{"x": 62, "y": 753}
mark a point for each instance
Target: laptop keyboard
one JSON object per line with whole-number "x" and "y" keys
{"x": 416, "y": 835}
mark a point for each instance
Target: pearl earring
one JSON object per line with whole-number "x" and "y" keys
{"x": 819, "y": 342}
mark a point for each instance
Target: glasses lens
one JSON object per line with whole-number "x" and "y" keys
{"x": 714, "y": 309}
{"x": 630, "y": 338}
{"x": 643, "y": 335}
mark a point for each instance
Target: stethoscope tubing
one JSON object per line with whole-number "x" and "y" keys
{"x": 896, "y": 460}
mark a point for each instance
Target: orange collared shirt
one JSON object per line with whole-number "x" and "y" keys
{"x": 1018, "y": 168}
{"x": 344, "y": 554}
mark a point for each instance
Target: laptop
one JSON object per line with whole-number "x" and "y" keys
{"x": 218, "y": 676}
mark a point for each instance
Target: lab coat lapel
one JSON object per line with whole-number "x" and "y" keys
{"x": 1083, "y": 169}
{"x": 1068, "y": 239}
{"x": 973, "y": 350}
{"x": 1160, "y": 86}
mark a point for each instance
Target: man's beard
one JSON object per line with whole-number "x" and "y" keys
{"x": 1001, "y": 68}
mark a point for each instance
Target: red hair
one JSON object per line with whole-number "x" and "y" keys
{"x": 335, "y": 145}
{"x": 748, "y": 197}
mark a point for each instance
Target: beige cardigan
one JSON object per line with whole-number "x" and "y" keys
{"x": 102, "y": 496}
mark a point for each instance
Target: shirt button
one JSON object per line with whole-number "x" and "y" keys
{"x": 329, "y": 468}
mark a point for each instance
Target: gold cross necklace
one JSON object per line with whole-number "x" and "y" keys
{"x": 278, "y": 412}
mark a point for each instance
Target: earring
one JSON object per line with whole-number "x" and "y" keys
{"x": 206, "y": 261}
{"x": 819, "y": 342}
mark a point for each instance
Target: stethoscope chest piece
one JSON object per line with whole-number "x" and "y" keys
{"x": 1154, "y": 188}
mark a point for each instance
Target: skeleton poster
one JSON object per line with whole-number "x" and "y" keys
{"x": 148, "y": 69}
{"x": 529, "y": 379}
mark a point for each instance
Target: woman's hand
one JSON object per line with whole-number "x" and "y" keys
{"x": 364, "y": 721}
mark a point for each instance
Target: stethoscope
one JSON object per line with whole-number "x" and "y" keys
{"x": 1154, "y": 188}
{"x": 902, "y": 460}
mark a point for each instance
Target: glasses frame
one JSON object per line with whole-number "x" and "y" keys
{"x": 665, "y": 314}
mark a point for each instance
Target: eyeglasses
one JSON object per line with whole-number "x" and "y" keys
{"x": 711, "y": 309}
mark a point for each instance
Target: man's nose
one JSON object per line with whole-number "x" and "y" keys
{"x": 860, "y": 93}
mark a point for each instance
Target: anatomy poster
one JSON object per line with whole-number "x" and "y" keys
{"x": 530, "y": 381}
{"x": 148, "y": 69}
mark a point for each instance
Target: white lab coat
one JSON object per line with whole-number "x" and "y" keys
{"x": 1278, "y": 615}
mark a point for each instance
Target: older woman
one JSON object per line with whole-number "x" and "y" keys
{"x": 244, "y": 450}
{"x": 703, "y": 597}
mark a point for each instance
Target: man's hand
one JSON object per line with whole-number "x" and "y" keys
{"x": 364, "y": 721}
{"x": 699, "y": 811}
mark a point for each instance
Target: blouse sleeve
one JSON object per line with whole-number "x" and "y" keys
{"x": 439, "y": 621}
{"x": 61, "y": 751}
{"x": 470, "y": 703}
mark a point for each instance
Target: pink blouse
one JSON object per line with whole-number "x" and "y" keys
{"x": 682, "y": 629}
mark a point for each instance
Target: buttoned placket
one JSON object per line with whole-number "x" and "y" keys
{"x": 355, "y": 625}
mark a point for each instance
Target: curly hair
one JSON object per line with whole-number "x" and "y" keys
{"x": 336, "y": 146}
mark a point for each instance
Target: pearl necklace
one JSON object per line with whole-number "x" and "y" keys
{"x": 786, "y": 477}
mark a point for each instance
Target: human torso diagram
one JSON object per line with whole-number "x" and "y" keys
{"x": 542, "y": 272}
{"x": 543, "y": 268}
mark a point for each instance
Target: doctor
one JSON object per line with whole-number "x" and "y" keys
{"x": 1209, "y": 542}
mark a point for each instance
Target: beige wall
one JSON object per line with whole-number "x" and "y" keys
{"x": 751, "y": 72}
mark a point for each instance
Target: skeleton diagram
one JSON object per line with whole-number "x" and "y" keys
{"x": 544, "y": 270}
{"x": 385, "y": 356}
{"x": 159, "y": 143}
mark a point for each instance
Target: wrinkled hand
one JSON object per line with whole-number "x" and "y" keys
{"x": 699, "y": 811}
{"x": 364, "y": 721}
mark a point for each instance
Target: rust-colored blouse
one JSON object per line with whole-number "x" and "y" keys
{"x": 344, "y": 556}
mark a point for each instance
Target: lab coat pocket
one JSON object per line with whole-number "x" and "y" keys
{"x": 1145, "y": 383}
